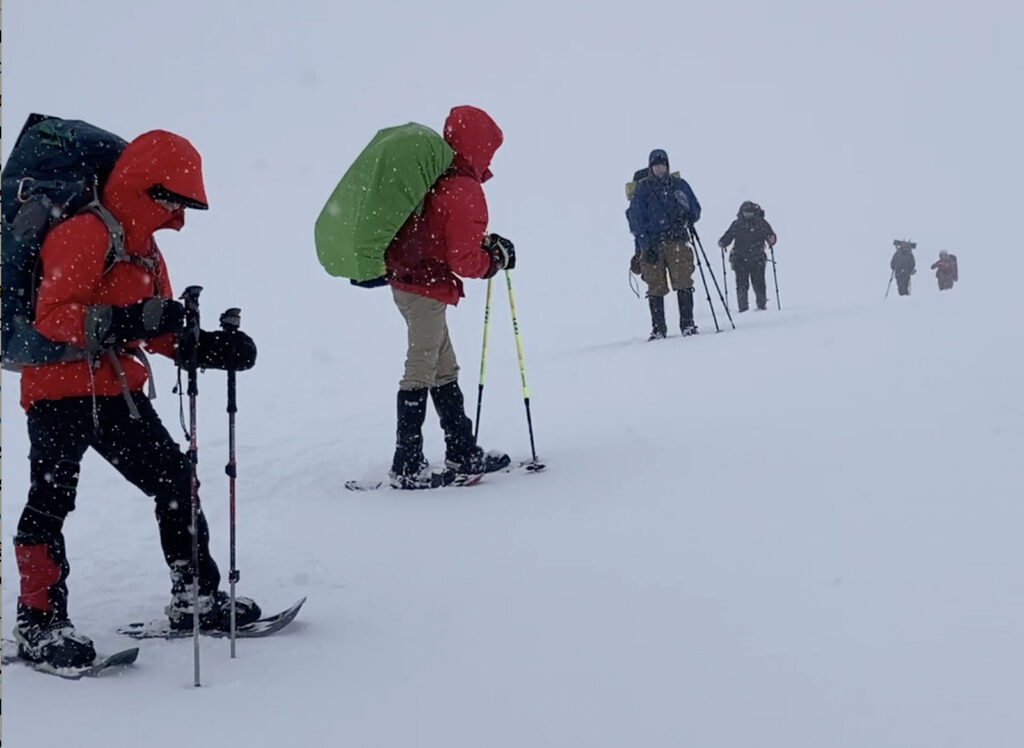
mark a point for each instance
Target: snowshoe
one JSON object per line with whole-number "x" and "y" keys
{"x": 56, "y": 644}
{"x": 477, "y": 462}
{"x": 214, "y": 611}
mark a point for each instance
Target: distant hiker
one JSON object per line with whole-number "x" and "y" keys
{"x": 946, "y": 271}
{"x": 903, "y": 265}
{"x": 424, "y": 262}
{"x": 660, "y": 213}
{"x": 748, "y": 235}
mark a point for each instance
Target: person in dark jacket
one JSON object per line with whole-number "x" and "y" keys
{"x": 98, "y": 401}
{"x": 946, "y": 271}
{"x": 748, "y": 234}
{"x": 424, "y": 261}
{"x": 660, "y": 214}
{"x": 903, "y": 265}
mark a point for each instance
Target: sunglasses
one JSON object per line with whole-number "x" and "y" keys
{"x": 172, "y": 200}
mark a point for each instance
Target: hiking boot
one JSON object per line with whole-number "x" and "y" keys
{"x": 420, "y": 475}
{"x": 476, "y": 462}
{"x": 411, "y": 412}
{"x": 462, "y": 455}
{"x": 214, "y": 611}
{"x": 56, "y": 643}
{"x": 658, "y": 327}
{"x": 450, "y": 404}
{"x": 686, "y": 325}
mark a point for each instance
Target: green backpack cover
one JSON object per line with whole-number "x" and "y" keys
{"x": 383, "y": 187}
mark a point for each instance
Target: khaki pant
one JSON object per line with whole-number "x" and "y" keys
{"x": 675, "y": 258}
{"x": 430, "y": 359}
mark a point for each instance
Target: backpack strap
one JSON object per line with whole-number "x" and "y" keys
{"x": 140, "y": 354}
{"x": 114, "y": 229}
{"x": 115, "y": 250}
{"x": 117, "y": 253}
{"x": 122, "y": 380}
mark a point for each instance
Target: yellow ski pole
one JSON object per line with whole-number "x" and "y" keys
{"x": 483, "y": 359}
{"x": 533, "y": 464}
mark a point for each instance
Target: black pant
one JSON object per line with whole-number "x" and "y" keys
{"x": 60, "y": 432}
{"x": 749, "y": 271}
{"x": 903, "y": 283}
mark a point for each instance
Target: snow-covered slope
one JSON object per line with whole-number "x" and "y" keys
{"x": 802, "y": 532}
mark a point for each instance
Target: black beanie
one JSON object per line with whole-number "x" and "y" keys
{"x": 657, "y": 156}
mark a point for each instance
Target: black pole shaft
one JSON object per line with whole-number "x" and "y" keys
{"x": 889, "y": 286}
{"x": 479, "y": 403}
{"x": 483, "y": 359}
{"x": 231, "y": 320}
{"x": 529, "y": 425}
{"x": 191, "y": 300}
{"x": 707, "y": 292}
{"x": 775, "y": 276}
{"x": 714, "y": 280}
{"x": 725, "y": 278}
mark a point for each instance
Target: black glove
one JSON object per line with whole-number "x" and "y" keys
{"x": 502, "y": 252}
{"x": 220, "y": 349}
{"x": 149, "y": 318}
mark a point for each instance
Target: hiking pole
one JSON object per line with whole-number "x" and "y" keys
{"x": 706, "y": 291}
{"x": 889, "y": 287}
{"x": 230, "y": 320}
{"x": 711, "y": 272}
{"x": 483, "y": 359}
{"x": 191, "y": 299}
{"x": 775, "y": 275}
{"x": 533, "y": 464}
{"x": 725, "y": 278}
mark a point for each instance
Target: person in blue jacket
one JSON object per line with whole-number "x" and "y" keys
{"x": 660, "y": 214}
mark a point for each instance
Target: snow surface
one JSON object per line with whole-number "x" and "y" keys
{"x": 801, "y": 533}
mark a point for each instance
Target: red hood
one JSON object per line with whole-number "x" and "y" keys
{"x": 155, "y": 157}
{"x": 474, "y": 137}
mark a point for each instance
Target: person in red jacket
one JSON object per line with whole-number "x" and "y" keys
{"x": 425, "y": 260}
{"x": 109, "y": 311}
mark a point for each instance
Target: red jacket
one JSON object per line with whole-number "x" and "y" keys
{"x": 74, "y": 265}
{"x": 432, "y": 249}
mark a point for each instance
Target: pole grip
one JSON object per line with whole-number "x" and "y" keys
{"x": 190, "y": 297}
{"x": 231, "y": 320}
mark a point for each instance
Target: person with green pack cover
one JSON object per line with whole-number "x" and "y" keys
{"x": 426, "y": 261}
